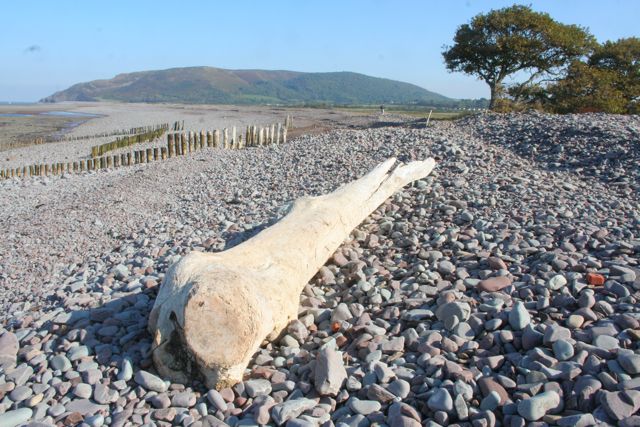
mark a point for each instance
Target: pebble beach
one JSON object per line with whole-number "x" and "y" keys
{"x": 502, "y": 290}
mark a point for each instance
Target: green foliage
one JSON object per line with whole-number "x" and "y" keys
{"x": 514, "y": 39}
{"x": 609, "y": 81}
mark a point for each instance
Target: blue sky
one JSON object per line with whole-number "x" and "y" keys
{"x": 50, "y": 45}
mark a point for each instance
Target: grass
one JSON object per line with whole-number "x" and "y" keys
{"x": 414, "y": 112}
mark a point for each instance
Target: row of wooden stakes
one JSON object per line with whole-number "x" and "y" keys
{"x": 178, "y": 144}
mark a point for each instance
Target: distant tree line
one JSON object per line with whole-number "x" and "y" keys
{"x": 529, "y": 60}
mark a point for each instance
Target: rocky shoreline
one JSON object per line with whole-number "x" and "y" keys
{"x": 502, "y": 290}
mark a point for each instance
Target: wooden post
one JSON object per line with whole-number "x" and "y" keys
{"x": 163, "y": 153}
{"x": 234, "y": 141}
{"x": 278, "y": 130}
{"x": 190, "y": 148}
{"x": 129, "y": 159}
{"x": 183, "y": 146}
{"x": 116, "y": 161}
{"x": 170, "y": 144}
{"x": 284, "y": 135}
{"x": 155, "y": 154}
{"x": 216, "y": 138}
{"x": 209, "y": 138}
{"x": 109, "y": 162}
{"x": 203, "y": 139}
{"x": 272, "y": 134}
{"x": 225, "y": 138}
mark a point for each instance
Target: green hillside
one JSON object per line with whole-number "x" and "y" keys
{"x": 208, "y": 85}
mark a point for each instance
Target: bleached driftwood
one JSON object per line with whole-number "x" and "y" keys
{"x": 215, "y": 309}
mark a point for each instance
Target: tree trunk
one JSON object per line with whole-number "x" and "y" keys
{"x": 215, "y": 309}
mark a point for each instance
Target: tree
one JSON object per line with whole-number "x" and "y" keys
{"x": 512, "y": 40}
{"x": 608, "y": 81}
{"x": 585, "y": 89}
{"x": 621, "y": 57}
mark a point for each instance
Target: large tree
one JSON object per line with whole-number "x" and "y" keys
{"x": 608, "y": 81}
{"x": 515, "y": 40}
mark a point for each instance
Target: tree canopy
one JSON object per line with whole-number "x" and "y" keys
{"x": 511, "y": 40}
{"x": 608, "y": 81}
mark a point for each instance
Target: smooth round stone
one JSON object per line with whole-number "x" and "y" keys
{"x": 606, "y": 342}
{"x": 446, "y": 267}
{"x": 364, "y": 407}
{"x": 83, "y": 391}
{"x": 257, "y": 387}
{"x": 16, "y": 417}
{"x": 400, "y": 388}
{"x": 563, "y": 349}
{"x": 451, "y": 322}
{"x": 490, "y": 402}
{"x": 150, "y": 381}
{"x": 464, "y": 330}
{"x": 556, "y": 282}
{"x": 126, "y": 370}
{"x": 519, "y": 317}
{"x": 574, "y": 321}
{"x": 493, "y": 324}
{"x": 202, "y": 409}
{"x": 95, "y": 420}
{"x": 536, "y": 407}
{"x": 216, "y": 399}
{"x": 461, "y": 310}
{"x": 60, "y": 363}
{"x": 56, "y": 410}
{"x": 20, "y": 393}
{"x": 79, "y": 352}
{"x": 630, "y": 363}
{"x": 440, "y": 401}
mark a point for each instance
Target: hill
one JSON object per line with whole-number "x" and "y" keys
{"x": 208, "y": 85}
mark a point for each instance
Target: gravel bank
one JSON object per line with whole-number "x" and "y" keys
{"x": 502, "y": 290}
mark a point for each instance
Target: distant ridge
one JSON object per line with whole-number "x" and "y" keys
{"x": 209, "y": 85}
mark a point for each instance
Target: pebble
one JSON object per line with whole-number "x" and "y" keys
{"x": 557, "y": 282}
{"x": 563, "y": 350}
{"x": 283, "y": 412}
{"x": 440, "y": 400}
{"x": 494, "y": 284}
{"x": 364, "y": 407}
{"x": 60, "y": 363}
{"x": 15, "y": 417}
{"x": 534, "y": 408}
{"x": 257, "y": 387}
{"x": 150, "y": 381}
{"x": 330, "y": 373}
{"x": 519, "y": 317}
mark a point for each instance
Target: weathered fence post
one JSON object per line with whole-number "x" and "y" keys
{"x": 155, "y": 154}
{"x": 284, "y": 135}
{"x": 216, "y": 138}
{"x": 209, "y": 138}
{"x": 170, "y": 144}
{"x": 109, "y": 162}
{"x": 183, "y": 144}
{"x": 163, "y": 153}
{"x": 129, "y": 159}
{"x": 279, "y": 129}
{"x": 225, "y": 142}
{"x": 203, "y": 139}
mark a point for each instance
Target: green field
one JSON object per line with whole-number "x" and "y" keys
{"x": 409, "y": 111}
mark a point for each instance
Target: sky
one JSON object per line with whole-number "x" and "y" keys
{"x": 48, "y": 45}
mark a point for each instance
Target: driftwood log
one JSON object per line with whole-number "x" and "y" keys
{"x": 214, "y": 310}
